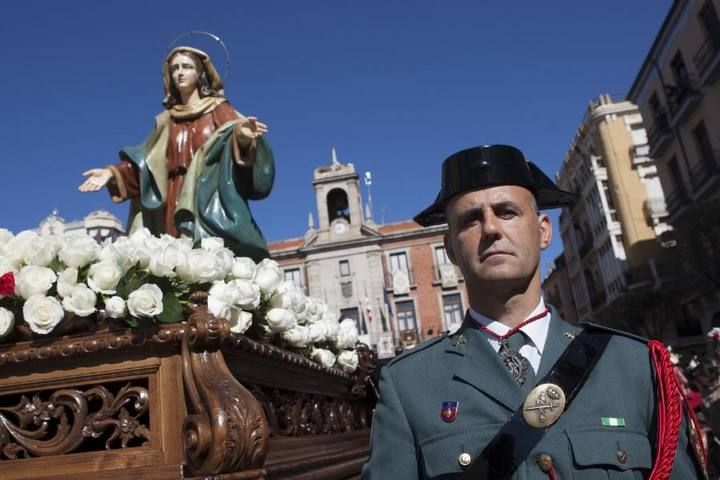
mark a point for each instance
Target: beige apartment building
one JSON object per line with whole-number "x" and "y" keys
{"x": 678, "y": 93}
{"x": 394, "y": 279}
{"x": 609, "y": 236}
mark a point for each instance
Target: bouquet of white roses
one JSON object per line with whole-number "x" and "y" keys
{"x": 144, "y": 278}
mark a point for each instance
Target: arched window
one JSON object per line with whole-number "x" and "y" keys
{"x": 337, "y": 204}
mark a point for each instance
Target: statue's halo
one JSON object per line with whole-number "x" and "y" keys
{"x": 175, "y": 41}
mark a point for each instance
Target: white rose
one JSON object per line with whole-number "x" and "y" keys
{"x": 67, "y": 279}
{"x": 40, "y": 251}
{"x": 212, "y": 243}
{"x": 224, "y": 258}
{"x": 7, "y": 321}
{"x": 219, "y": 308}
{"x": 312, "y": 312}
{"x": 268, "y": 275}
{"x": 78, "y": 250}
{"x": 282, "y": 300}
{"x": 122, "y": 252}
{"x": 243, "y": 268}
{"x": 332, "y": 325}
{"x": 279, "y": 320}
{"x": 220, "y": 298}
{"x": 347, "y": 360}
{"x": 103, "y": 277}
{"x": 81, "y": 301}
{"x": 34, "y": 280}
{"x": 14, "y": 250}
{"x": 347, "y": 335}
{"x": 324, "y": 357}
{"x": 42, "y": 313}
{"x": 318, "y": 332}
{"x": 298, "y": 336}
{"x": 5, "y": 237}
{"x": 200, "y": 266}
{"x": 240, "y": 320}
{"x": 115, "y": 307}
{"x": 7, "y": 265}
{"x": 247, "y": 294}
{"x": 164, "y": 262}
{"x": 146, "y": 301}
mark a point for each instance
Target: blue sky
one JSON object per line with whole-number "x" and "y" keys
{"x": 394, "y": 86}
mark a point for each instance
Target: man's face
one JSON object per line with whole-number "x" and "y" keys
{"x": 495, "y": 236}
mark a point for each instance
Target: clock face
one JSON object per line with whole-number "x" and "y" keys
{"x": 340, "y": 228}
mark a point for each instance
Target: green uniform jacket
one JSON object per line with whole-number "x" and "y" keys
{"x": 411, "y": 441}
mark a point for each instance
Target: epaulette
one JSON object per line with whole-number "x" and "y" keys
{"x": 419, "y": 348}
{"x": 614, "y": 331}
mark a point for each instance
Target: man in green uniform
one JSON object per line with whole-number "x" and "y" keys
{"x": 516, "y": 392}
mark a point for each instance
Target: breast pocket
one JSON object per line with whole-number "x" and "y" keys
{"x": 609, "y": 454}
{"x": 443, "y": 455}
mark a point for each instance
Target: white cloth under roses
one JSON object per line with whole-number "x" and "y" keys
{"x": 81, "y": 301}
{"x": 146, "y": 301}
{"x": 7, "y": 322}
{"x": 347, "y": 335}
{"x": 323, "y": 356}
{"x": 33, "y": 280}
{"x": 347, "y": 360}
{"x": 78, "y": 250}
{"x": 42, "y": 313}
{"x": 67, "y": 279}
{"x": 103, "y": 277}
{"x": 115, "y": 307}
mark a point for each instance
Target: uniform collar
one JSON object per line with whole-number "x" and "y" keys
{"x": 537, "y": 331}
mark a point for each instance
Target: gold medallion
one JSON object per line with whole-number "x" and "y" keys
{"x": 544, "y": 405}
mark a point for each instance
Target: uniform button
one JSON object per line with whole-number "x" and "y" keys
{"x": 622, "y": 456}
{"x": 464, "y": 459}
{"x": 545, "y": 462}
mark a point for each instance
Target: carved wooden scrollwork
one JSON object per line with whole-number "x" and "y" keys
{"x": 297, "y": 414}
{"x": 69, "y": 417}
{"x": 227, "y": 430}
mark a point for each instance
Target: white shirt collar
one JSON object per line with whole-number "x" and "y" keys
{"x": 537, "y": 330}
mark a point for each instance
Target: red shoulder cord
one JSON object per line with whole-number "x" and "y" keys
{"x": 510, "y": 332}
{"x": 670, "y": 398}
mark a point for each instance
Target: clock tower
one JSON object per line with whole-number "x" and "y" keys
{"x": 339, "y": 204}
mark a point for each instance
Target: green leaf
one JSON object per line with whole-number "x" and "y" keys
{"x": 130, "y": 282}
{"x": 172, "y": 310}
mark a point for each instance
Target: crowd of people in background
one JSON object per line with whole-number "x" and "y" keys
{"x": 700, "y": 375}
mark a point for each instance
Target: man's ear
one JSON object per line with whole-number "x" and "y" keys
{"x": 545, "y": 226}
{"x": 448, "y": 248}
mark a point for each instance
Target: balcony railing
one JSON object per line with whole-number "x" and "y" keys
{"x": 682, "y": 97}
{"x": 597, "y": 299}
{"x": 585, "y": 246}
{"x": 396, "y": 281}
{"x": 707, "y": 54}
{"x": 706, "y": 168}
{"x": 676, "y": 199}
{"x": 659, "y": 134}
{"x": 655, "y": 209}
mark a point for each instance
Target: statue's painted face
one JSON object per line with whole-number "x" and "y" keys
{"x": 184, "y": 73}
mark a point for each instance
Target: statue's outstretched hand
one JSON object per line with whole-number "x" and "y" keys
{"x": 96, "y": 179}
{"x": 252, "y": 128}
